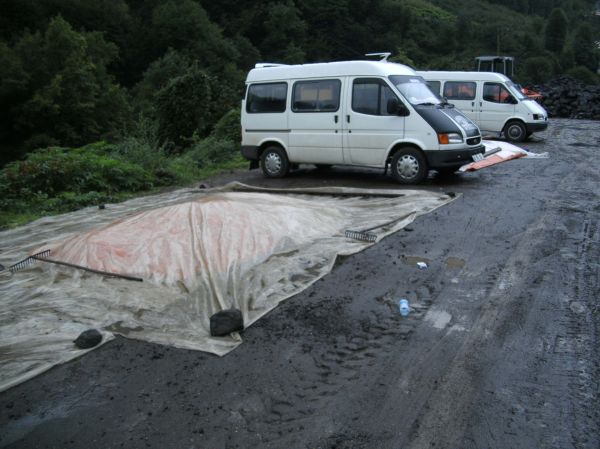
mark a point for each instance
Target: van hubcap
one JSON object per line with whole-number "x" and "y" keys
{"x": 407, "y": 166}
{"x": 273, "y": 163}
{"x": 515, "y": 132}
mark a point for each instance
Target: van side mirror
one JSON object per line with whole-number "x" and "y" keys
{"x": 395, "y": 107}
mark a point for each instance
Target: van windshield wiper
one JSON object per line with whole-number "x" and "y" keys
{"x": 427, "y": 103}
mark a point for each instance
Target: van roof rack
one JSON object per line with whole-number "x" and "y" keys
{"x": 262, "y": 65}
{"x": 384, "y": 55}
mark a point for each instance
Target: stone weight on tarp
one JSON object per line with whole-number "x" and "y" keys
{"x": 88, "y": 339}
{"x": 225, "y": 322}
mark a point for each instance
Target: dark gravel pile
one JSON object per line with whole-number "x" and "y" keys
{"x": 569, "y": 98}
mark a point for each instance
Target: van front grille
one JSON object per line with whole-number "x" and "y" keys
{"x": 474, "y": 141}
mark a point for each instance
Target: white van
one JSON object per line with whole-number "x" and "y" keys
{"x": 363, "y": 113}
{"x": 492, "y": 101}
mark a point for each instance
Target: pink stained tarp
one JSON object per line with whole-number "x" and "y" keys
{"x": 197, "y": 252}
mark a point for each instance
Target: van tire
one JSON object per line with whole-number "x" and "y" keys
{"x": 274, "y": 162}
{"x": 515, "y": 131}
{"x": 409, "y": 166}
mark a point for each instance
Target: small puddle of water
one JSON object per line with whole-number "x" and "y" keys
{"x": 455, "y": 262}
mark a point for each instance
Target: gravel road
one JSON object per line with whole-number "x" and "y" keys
{"x": 501, "y": 349}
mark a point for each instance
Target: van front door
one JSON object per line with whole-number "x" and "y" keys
{"x": 315, "y": 122}
{"x": 369, "y": 129}
{"x": 497, "y": 106}
{"x": 462, "y": 94}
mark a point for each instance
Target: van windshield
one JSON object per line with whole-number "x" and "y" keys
{"x": 515, "y": 89}
{"x": 415, "y": 89}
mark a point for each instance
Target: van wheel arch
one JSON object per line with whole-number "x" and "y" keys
{"x": 408, "y": 164}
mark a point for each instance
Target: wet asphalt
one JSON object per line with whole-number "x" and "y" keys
{"x": 500, "y": 349}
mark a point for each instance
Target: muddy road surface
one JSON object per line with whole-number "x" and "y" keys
{"x": 501, "y": 348}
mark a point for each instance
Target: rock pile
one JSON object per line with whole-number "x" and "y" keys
{"x": 569, "y": 98}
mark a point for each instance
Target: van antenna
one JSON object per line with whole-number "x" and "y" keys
{"x": 384, "y": 56}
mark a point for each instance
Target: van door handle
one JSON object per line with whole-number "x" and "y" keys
{"x": 335, "y": 118}
{"x": 472, "y": 103}
{"x": 348, "y": 118}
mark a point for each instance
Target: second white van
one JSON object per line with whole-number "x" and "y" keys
{"x": 492, "y": 101}
{"x": 365, "y": 113}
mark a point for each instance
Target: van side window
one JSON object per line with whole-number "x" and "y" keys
{"x": 459, "y": 90}
{"x": 434, "y": 86}
{"x": 266, "y": 98}
{"x": 370, "y": 96}
{"x": 496, "y": 93}
{"x": 316, "y": 96}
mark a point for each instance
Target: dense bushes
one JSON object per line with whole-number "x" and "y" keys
{"x": 55, "y": 180}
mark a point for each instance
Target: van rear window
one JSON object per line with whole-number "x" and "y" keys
{"x": 316, "y": 96}
{"x": 266, "y": 98}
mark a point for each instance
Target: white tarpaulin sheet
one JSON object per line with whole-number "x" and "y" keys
{"x": 497, "y": 152}
{"x": 198, "y": 252}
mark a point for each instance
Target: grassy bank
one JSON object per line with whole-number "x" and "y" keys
{"x": 57, "y": 180}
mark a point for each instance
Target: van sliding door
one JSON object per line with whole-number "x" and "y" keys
{"x": 315, "y": 122}
{"x": 496, "y": 107}
{"x": 463, "y": 95}
{"x": 369, "y": 130}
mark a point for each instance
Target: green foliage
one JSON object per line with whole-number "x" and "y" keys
{"x": 556, "y": 30}
{"x": 584, "y": 75}
{"x": 212, "y": 151}
{"x": 53, "y": 171}
{"x": 229, "y": 128}
{"x": 538, "y": 69}
{"x": 183, "y": 107}
{"x": 67, "y": 97}
{"x": 585, "y": 50}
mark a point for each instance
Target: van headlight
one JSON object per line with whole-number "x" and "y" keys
{"x": 539, "y": 117}
{"x": 445, "y": 139}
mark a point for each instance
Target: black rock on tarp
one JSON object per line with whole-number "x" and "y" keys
{"x": 225, "y": 322}
{"x": 88, "y": 339}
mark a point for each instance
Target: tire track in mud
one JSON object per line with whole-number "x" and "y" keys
{"x": 344, "y": 341}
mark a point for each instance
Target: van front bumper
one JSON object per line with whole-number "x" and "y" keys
{"x": 535, "y": 127}
{"x": 451, "y": 158}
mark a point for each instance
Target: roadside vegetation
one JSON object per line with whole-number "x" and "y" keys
{"x": 102, "y": 100}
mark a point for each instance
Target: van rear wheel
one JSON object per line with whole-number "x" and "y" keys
{"x": 274, "y": 162}
{"x": 409, "y": 166}
{"x": 515, "y": 131}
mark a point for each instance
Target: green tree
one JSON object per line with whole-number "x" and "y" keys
{"x": 183, "y": 108}
{"x": 538, "y": 69}
{"x": 556, "y": 30}
{"x": 66, "y": 96}
{"x": 284, "y": 33}
{"x": 584, "y": 47}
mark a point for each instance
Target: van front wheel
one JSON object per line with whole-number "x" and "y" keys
{"x": 274, "y": 162}
{"x": 409, "y": 166}
{"x": 515, "y": 131}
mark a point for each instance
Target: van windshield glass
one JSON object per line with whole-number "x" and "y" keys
{"x": 415, "y": 89}
{"x": 516, "y": 90}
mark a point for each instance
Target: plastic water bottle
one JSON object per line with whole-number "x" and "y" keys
{"x": 404, "y": 307}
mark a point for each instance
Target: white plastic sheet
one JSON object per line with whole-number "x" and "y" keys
{"x": 198, "y": 252}
{"x": 498, "y": 152}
